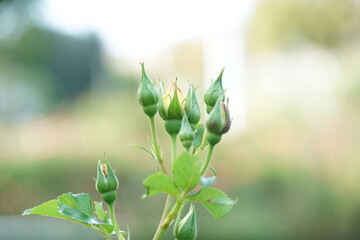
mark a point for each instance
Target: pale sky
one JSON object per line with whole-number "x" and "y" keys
{"x": 136, "y": 28}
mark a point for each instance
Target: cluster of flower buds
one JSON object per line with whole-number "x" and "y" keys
{"x": 182, "y": 115}
{"x": 106, "y": 182}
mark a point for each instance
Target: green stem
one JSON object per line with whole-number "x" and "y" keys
{"x": 165, "y": 211}
{"x": 169, "y": 218}
{"x": 169, "y": 198}
{"x": 114, "y": 222}
{"x": 207, "y": 161}
{"x": 202, "y": 147}
{"x": 173, "y": 149}
{"x": 156, "y": 145}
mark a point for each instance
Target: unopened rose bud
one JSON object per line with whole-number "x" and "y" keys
{"x": 186, "y": 133}
{"x": 192, "y": 108}
{"x": 214, "y": 92}
{"x": 148, "y": 94}
{"x": 218, "y": 122}
{"x": 171, "y": 108}
{"x": 186, "y": 229}
{"x": 106, "y": 181}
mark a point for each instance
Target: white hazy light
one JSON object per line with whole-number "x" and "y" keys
{"x": 138, "y": 27}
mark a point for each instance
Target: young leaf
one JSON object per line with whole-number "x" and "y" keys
{"x": 186, "y": 171}
{"x": 215, "y": 200}
{"x": 209, "y": 181}
{"x": 144, "y": 149}
{"x": 159, "y": 183}
{"x": 100, "y": 212}
{"x": 199, "y": 135}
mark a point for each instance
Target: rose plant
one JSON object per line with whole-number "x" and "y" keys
{"x": 182, "y": 177}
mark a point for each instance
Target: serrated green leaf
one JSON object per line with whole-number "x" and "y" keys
{"x": 186, "y": 171}
{"x": 214, "y": 200}
{"x": 78, "y": 207}
{"x": 159, "y": 183}
{"x": 199, "y": 136}
{"x": 51, "y": 209}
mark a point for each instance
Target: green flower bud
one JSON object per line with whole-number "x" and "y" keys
{"x": 186, "y": 229}
{"x": 186, "y": 133}
{"x": 148, "y": 94}
{"x": 192, "y": 108}
{"x": 171, "y": 108}
{"x": 218, "y": 122}
{"x": 214, "y": 92}
{"x": 106, "y": 181}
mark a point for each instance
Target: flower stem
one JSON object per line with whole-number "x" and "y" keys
{"x": 156, "y": 145}
{"x": 114, "y": 222}
{"x": 165, "y": 212}
{"x": 207, "y": 161}
{"x": 169, "y": 198}
{"x": 173, "y": 149}
{"x": 169, "y": 218}
{"x": 203, "y": 146}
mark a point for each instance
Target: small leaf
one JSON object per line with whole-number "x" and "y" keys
{"x": 159, "y": 183}
{"x": 208, "y": 181}
{"x": 108, "y": 229}
{"x": 186, "y": 171}
{"x": 100, "y": 212}
{"x": 212, "y": 169}
{"x": 215, "y": 200}
{"x": 144, "y": 149}
{"x": 199, "y": 135}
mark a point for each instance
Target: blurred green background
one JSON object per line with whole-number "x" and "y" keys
{"x": 68, "y": 78}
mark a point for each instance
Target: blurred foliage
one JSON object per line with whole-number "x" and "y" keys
{"x": 286, "y": 24}
{"x": 60, "y": 67}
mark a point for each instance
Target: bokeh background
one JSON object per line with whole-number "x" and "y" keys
{"x": 68, "y": 77}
